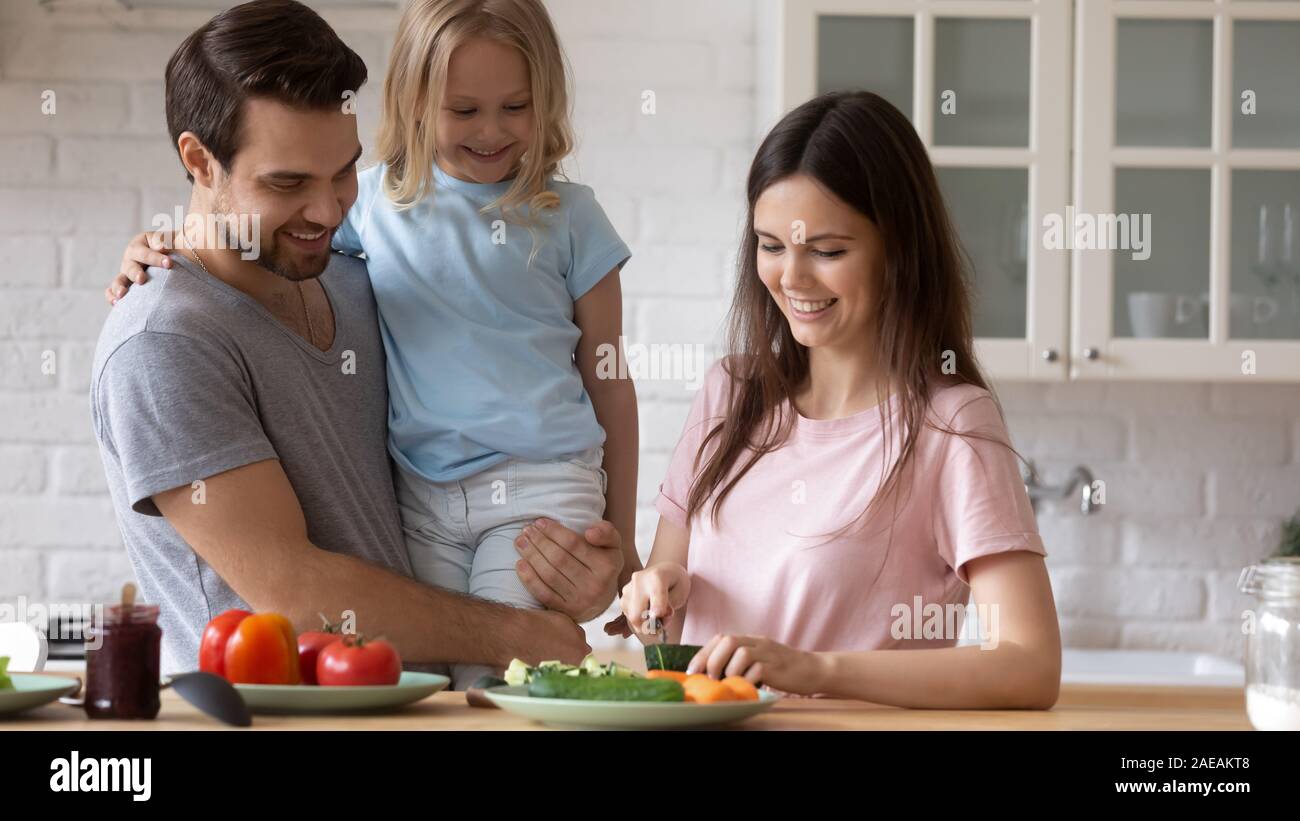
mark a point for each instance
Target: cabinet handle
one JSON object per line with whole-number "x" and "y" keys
{"x": 1050, "y": 355}
{"x": 1091, "y": 353}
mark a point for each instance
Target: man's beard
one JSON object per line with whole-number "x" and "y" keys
{"x": 272, "y": 257}
{"x": 278, "y": 263}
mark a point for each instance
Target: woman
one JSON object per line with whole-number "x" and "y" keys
{"x": 845, "y": 474}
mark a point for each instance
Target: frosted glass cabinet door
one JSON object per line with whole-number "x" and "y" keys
{"x": 1162, "y": 270}
{"x": 1266, "y": 84}
{"x": 1265, "y": 267}
{"x": 866, "y": 54}
{"x": 982, "y": 70}
{"x": 990, "y": 208}
{"x": 1163, "y": 79}
{"x": 987, "y": 86}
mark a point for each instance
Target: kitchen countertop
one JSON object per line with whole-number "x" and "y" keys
{"x": 1081, "y": 707}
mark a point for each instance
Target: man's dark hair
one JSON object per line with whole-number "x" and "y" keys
{"x": 275, "y": 49}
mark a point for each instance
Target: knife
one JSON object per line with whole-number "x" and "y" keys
{"x": 656, "y": 626}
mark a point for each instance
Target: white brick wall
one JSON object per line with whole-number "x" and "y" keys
{"x": 1198, "y": 479}
{"x": 1198, "y": 476}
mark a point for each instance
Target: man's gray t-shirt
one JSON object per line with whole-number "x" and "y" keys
{"x": 192, "y": 378}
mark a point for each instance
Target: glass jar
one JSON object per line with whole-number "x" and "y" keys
{"x": 122, "y": 663}
{"x": 1273, "y": 647}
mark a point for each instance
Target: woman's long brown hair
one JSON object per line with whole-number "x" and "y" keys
{"x": 861, "y": 149}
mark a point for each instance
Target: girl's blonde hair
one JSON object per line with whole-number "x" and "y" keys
{"x": 430, "y": 30}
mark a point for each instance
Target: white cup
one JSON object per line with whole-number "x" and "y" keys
{"x": 1155, "y": 314}
{"x": 1253, "y": 310}
{"x": 1248, "y": 310}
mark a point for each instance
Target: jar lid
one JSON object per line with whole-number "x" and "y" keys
{"x": 1277, "y": 575}
{"x": 131, "y": 614}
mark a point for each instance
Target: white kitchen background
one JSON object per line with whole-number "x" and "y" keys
{"x": 1199, "y": 475}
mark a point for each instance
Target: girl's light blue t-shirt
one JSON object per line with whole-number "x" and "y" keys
{"x": 479, "y": 343}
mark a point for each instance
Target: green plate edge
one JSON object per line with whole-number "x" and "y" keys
{"x": 298, "y": 698}
{"x": 33, "y": 691}
{"x": 568, "y": 712}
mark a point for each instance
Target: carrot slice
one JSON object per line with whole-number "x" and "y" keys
{"x": 708, "y": 691}
{"x": 741, "y": 687}
{"x": 669, "y": 674}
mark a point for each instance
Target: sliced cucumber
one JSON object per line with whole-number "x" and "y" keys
{"x": 670, "y": 656}
{"x": 605, "y": 688}
{"x": 518, "y": 672}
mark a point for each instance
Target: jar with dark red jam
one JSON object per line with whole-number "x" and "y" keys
{"x": 122, "y": 671}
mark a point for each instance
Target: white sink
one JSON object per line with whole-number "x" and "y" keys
{"x": 1084, "y": 666}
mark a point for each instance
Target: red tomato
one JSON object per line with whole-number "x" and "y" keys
{"x": 309, "y": 646}
{"x": 354, "y": 661}
{"x": 263, "y": 650}
{"x": 212, "y": 648}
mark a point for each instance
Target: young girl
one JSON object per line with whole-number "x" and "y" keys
{"x": 844, "y": 474}
{"x": 498, "y": 293}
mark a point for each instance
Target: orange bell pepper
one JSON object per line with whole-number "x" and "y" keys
{"x": 262, "y": 649}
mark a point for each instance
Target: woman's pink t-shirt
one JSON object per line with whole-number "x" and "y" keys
{"x": 767, "y": 567}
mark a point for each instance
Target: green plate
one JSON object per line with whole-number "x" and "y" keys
{"x": 32, "y": 691}
{"x": 304, "y": 698}
{"x": 626, "y": 715}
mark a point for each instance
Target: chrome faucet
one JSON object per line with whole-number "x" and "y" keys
{"x": 1081, "y": 476}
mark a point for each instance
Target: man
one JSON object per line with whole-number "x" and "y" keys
{"x": 240, "y": 404}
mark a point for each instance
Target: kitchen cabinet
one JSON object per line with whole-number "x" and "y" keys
{"x": 1124, "y": 174}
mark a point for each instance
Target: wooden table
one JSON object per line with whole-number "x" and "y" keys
{"x": 1081, "y": 707}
